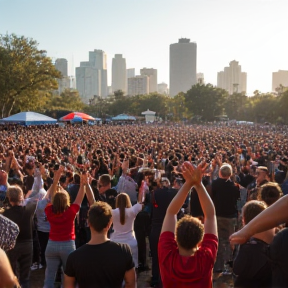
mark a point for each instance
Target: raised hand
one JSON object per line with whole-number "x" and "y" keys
{"x": 193, "y": 175}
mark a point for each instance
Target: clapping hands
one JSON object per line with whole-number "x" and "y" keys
{"x": 193, "y": 175}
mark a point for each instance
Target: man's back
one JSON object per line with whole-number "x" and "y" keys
{"x": 100, "y": 266}
{"x": 225, "y": 195}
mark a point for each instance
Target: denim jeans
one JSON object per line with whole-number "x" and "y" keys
{"x": 226, "y": 227}
{"x": 21, "y": 255}
{"x": 56, "y": 253}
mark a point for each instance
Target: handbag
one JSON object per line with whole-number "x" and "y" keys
{"x": 8, "y": 233}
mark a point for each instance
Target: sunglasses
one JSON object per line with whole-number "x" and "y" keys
{"x": 99, "y": 186}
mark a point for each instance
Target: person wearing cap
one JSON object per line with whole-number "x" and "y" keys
{"x": 225, "y": 194}
{"x": 262, "y": 177}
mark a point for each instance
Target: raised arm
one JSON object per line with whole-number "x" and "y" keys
{"x": 81, "y": 192}
{"x": 89, "y": 191}
{"x": 271, "y": 217}
{"x": 52, "y": 189}
{"x": 192, "y": 176}
{"x": 210, "y": 223}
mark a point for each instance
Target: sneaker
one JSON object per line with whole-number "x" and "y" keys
{"x": 36, "y": 266}
{"x": 227, "y": 270}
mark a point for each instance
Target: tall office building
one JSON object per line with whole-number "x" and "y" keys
{"x": 61, "y": 65}
{"x": 200, "y": 78}
{"x": 130, "y": 72}
{"x": 232, "y": 79}
{"x": 91, "y": 76}
{"x": 138, "y": 85}
{"x": 183, "y": 65}
{"x": 119, "y": 80}
{"x": 163, "y": 88}
{"x": 152, "y": 74}
{"x": 279, "y": 78}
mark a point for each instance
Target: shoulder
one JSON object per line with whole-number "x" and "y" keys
{"x": 209, "y": 245}
{"x": 74, "y": 207}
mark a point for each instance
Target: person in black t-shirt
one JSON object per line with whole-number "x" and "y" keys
{"x": 21, "y": 255}
{"x": 100, "y": 263}
{"x": 252, "y": 266}
{"x": 225, "y": 194}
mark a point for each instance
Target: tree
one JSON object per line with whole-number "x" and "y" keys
{"x": 25, "y": 73}
{"x": 206, "y": 101}
{"x": 68, "y": 100}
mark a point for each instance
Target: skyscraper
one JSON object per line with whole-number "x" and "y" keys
{"x": 119, "y": 80}
{"x": 130, "y": 72}
{"x": 61, "y": 65}
{"x": 152, "y": 74}
{"x": 232, "y": 78}
{"x": 279, "y": 78}
{"x": 91, "y": 76}
{"x": 163, "y": 88}
{"x": 138, "y": 85}
{"x": 183, "y": 65}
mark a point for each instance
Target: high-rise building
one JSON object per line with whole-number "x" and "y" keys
{"x": 279, "y": 78}
{"x": 200, "y": 78}
{"x": 119, "y": 80}
{"x": 138, "y": 85}
{"x": 130, "y": 72}
{"x": 152, "y": 74}
{"x": 91, "y": 76}
{"x": 61, "y": 65}
{"x": 232, "y": 79}
{"x": 163, "y": 88}
{"x": 183, "y": 65}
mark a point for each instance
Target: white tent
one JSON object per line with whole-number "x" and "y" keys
{"x": 29, "y": 118}
{"x": 149, "y": 116}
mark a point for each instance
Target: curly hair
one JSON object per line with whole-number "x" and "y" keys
{"x": 269, "y": 193}
{"x": 189, "y": 232}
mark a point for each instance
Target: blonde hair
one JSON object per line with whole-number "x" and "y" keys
{"x": 122, "y": 202}
{"x": 61, "y": 202}
{"x": 14, "y": 194}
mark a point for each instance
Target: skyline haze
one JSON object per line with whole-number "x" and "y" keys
{"x": 248, "y": 31}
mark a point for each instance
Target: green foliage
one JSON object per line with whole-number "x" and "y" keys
{"x": 26, "y": 74}
{"x": 68, "y": 100}
{"x": 206, "y": 101}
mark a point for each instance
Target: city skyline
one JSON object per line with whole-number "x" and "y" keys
{"x": 252, "y": 32}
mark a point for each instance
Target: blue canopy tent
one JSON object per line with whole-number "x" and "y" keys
{"x": 123, "y": 117}
{"x": 29, "y": 118}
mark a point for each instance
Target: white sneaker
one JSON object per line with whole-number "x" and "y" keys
{"x": 36, "y": 266}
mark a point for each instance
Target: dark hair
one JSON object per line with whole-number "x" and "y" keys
{"x": 105, "y": 179}
{"x": 269, "y": 193}
{"x": 189, "y": 232}
{"x": 99, "y": 216}
{"x": 76, "y": 178}
{"x": 251, "y": 209}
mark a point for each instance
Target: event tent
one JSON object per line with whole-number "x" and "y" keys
{"x": 77, "y": 117}
{"x": 123, "y": 117}
{"x": 29, "y": 118}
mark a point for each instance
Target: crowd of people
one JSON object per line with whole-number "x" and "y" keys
{"x": 82, "y": 201}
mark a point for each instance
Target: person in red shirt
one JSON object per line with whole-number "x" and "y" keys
{"x": 61, "y": 216}
{"x": 187, "y": 250}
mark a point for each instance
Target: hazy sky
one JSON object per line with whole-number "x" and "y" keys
{"x": 253, "y": 32}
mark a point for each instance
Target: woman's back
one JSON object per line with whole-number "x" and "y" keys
{"x": 126, "y": 231}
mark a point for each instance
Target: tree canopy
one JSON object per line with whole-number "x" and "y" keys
{"x": 26, "y": 73}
